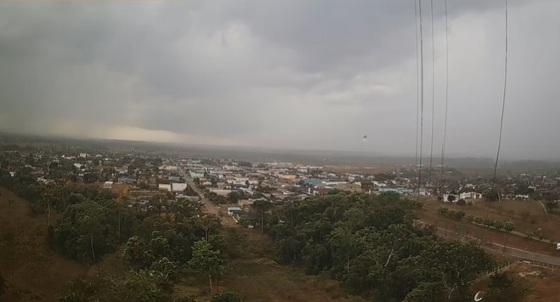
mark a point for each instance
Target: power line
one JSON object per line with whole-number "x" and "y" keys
{"x": 421, "y": 143}
{"x": 433, "y": 93}
{"x": 503, "y": 96}
{"x": 444, "y": 140}
{"x": 417, "y": 80}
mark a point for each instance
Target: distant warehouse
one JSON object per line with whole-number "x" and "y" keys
{"x": 399, "y": 190}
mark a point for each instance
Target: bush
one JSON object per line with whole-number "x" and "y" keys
{"x": 226, "y": 297}
{"x": 508, "y": 226}
{"x": 185, "y": 299}
{"x": 455, "y": 215}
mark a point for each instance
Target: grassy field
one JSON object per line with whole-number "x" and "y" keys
{"x": 542, "y": 282}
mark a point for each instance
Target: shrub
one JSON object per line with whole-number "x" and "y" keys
{"x": 455, "y": 215}
{"x": 226, "y": 297}
{"x": 508, "y": 226}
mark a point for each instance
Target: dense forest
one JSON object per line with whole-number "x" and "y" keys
{"x": 372, "y": 246}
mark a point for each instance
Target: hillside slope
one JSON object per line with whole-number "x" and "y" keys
{"x": 33, "y": 271}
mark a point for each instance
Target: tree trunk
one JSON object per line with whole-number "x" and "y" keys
{"x": 119, "y": 224}
{"x": 262, "y": 222}
{"x": 92, "y": 249}
{"x": 48, "y": 214}
{"x": 210, "y": 283}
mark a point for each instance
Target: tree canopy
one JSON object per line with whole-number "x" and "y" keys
{"x": 371, "y": 245}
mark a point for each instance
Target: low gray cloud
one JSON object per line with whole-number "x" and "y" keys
{"x": 280, "y": 74}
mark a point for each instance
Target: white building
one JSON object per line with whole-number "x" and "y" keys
{"x": 470, "y": 195}
{"x": 178, "y": 187}
{"x": 164, "y": 187}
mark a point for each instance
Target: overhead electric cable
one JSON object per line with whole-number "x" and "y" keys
{"x": 417, "y": 80}
{"x": 503, "y": 96}
{"x": 433, "y": 94}
{"x": 444, "y": 140}
{"x": 421, "y": 143}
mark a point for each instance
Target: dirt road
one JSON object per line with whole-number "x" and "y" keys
{"x": 500, "y": 249}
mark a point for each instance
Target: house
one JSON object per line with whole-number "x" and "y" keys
{"x": 234, "y": 212}
{"x": 522, "y": 196}
{"x": 470, "y": 195}
{"x": 399, "y": 190}
{"x": 196, "y": 175}
{"x": 221, "y": 192}
{"x": 108, "y": 185}
{"x": 287, "y": 178}
{"x": 178, "y": 187}
{"x": 164, "y": 187}
{"x": 231, "y": 210}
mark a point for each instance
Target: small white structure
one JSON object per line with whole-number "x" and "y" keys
{"x": 232, "y": 210}
{"x": 470, "y": 195}
{"x": 164, "y": 187}
{"x": 221, "y": 192}
{"x": 108, "y": 185}
{"x": 178, "y": 187}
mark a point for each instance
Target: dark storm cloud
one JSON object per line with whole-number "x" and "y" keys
{"x": 291, "y": 74}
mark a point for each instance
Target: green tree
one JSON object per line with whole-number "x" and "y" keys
{"x": 142, "y": 286}
{"x": 504, "y": 288}
{"x": 262, "y": 206}
{"x": 205, "y": 259}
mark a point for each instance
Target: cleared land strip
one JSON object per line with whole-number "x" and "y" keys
{"x": 501, "y": 249}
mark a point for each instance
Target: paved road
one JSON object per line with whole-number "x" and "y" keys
{"x": 208, "y": 206}
{"x": 523, "y": 254}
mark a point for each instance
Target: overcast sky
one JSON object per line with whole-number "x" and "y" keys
{"x": 291, "y": 74}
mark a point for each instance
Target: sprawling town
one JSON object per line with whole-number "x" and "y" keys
{"x": 137, "y": 177}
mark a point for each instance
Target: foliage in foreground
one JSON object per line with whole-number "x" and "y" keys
{"x": 371, "y": 245}
{"x": 226, "y": 297}
{"x": 141, "y": 286}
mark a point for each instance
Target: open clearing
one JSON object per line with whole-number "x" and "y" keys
{"x": 515, "y": 211}
{"x": 543, "y": 282}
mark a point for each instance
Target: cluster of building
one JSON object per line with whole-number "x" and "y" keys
{"x": 140, "y": 176}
